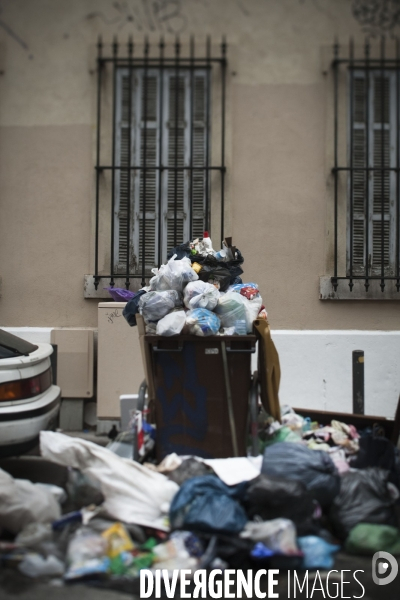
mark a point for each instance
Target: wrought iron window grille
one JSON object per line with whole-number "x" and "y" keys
{"x": 372, "y": 171}
{"x": 159, "y": 145}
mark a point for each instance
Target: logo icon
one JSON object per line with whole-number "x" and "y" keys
{"x": 384, "y": 563}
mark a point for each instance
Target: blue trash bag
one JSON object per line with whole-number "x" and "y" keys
{"x": 206, "y": 504}
{"x": 314, "y": 468}
{"x": 318, "y": 554}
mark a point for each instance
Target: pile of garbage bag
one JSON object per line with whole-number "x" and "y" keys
{"x": 294, "y": 506}
{"x": 199, "y": 291}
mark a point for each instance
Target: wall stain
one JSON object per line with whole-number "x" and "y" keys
{"x": 14, "y": 35}
{"x": 158, "y": 15}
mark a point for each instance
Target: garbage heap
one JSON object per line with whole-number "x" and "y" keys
{"x": 312, "y": 491}
{"x": 199, "y": 291}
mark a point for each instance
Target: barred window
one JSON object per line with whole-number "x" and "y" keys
{"x": 158, "y": 182}
{"x": 370, "y": 166}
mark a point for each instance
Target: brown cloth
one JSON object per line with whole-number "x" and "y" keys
{"x": 269, "y": 370}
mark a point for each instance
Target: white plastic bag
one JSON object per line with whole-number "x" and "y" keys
{"x": 233, "y": 307}
{"x": 171, "y": 324}
{"x": 155, "y": 305}
{"x": 200, "y": 294}
{"x": 22, "y": 502}
{"x": 277, "y": 534}
{"x": 174, "y": 275}
{"x": 34, "y": 565}
{"x": 133, "y": 493}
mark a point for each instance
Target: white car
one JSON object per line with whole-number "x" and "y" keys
{"x": 29, "y": 402}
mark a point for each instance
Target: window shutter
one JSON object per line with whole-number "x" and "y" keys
{"x": 359, "y": 181}
{"x": 147, "y": 155}
{"x": 381, "y": 137}
{"x": 376, "y": 139}
{"x": 121, "y": 178}
{"x": 176, "y": 146}
{"x": 199, "y": 155}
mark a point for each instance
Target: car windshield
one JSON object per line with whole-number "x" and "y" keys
{"x": 12, "y": 345}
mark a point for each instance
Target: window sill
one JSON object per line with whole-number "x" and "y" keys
{"x": 326, "y": 291}
{"x": 89, "y": 290}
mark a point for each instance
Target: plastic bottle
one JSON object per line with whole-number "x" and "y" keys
{"x": 207, "y": 243}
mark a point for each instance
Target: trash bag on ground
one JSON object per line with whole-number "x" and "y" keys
{"x": 133, "y": 493}
{"x": 83, "y": 490}
{"x": 368, "y": 538}
{"x": 200, "y": 294}
{"x": 202, "y": 322}
{"x": 35, "y": 565}
{"x": 22, "y": 503}
{"x": 86, "y": 555}
{"x": 278, "y": 535}
{"x": 313, "y": 467}
{"x": 378, "y": 451}
{"x": 318, "y": 554}
{"x": 273, "y": 497}
{"x": 171, "y": 324}
{"x": 131, "y": 309}
{"x": 207, "y": 504}
{"x": 120, "y": 294}
{"x": 365, "y": 497}
{"x": 190, "y": 467}
{"x": 155, "y": 305}
{"x": 173, "y": 276}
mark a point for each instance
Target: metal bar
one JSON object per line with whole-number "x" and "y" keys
{"x": 160, "y": 149}
{"x": 387, "y": 277}
{"x": 208, "y": 79}
{"x": 191, "y": 136}
{"x": 335, "y": 135}
{"x": 128, "y": 207}
{"x": 164, "y": 168}
{"x": 382, "y": 163}
{"x": 114, "y": 106}
{"x": 177, "y": 52}
{"x": 96, "y": 254}
{"x": 358, "y": 382}
{"x": 229, "y": 399}
{"x": 367, "y": 209}
{"x": 184, "y": 62}
{"x": 351, "y": 52}
{"x": 223, "y": 93}
{"x": 398, "y": 163}
{"x": 144, "y": 109}
{"x": 385, "y": 169}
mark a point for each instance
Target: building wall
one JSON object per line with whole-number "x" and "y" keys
{"x": 278, "y": 176}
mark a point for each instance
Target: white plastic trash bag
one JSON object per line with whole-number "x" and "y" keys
{"x": 200, "y": 294}
{"x": 155, "y": 305}
{"x": 171, "y": 324}
{"x": 233, "y": 307}
{"x": 173, "y": 276}
{"x": 133, "y": 493}
{"x": 22, "y": 502}
{"x": 277, "y": 534}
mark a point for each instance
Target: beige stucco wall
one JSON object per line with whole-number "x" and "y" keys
{"x": 277, "y": 138}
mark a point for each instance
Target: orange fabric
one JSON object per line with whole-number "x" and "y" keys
{"x": 269, "y": 370}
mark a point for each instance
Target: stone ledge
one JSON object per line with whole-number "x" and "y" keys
{"x": 326, "y": 291}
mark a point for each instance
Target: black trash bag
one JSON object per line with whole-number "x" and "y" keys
{"x": 364, "y": 498}
{"x": 132, "y": 308}
{"x": 213, "y": 270}
{"x": 207, "y": 504}
{"x": 273, "y": 498}
{"x": 189, "y": 468}
{"x": 234, "y": 266}
{"x": 314, "y": 468}
{"x": 378, "y": 451}
{"x": 180, "y": 251}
